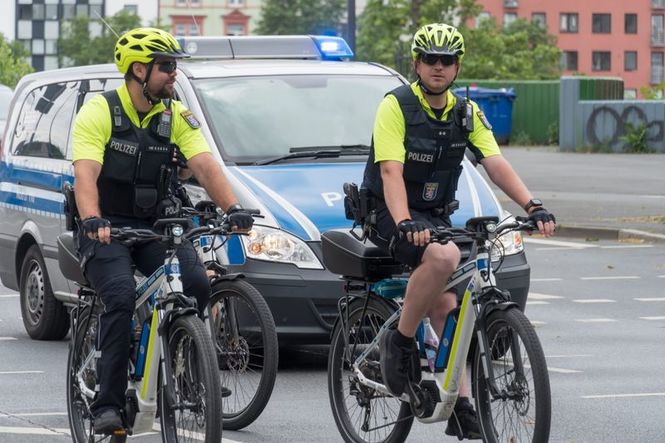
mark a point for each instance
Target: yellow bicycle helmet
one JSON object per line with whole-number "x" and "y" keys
{"x": 143, "y": 45}
{"x": 438, "y": 38}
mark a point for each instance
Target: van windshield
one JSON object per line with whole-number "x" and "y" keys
{"x": 255, "y": 118}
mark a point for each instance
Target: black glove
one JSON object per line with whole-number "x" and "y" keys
{"x": 541, "y": 214}
{"x": 179, "y": 158}
{"x": 239, "y": 218}
{"x": 412, "y": 226}
{"x": 92, "y": 224}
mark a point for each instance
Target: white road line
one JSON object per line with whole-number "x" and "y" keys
{"x": 625, "y": 246}
{"x": 547, "y": 279}
{"x": 537, "y": 302}
{"x": 20, "y": 372}
{"x": 8, "y": 338}
{"x": 539, "y": 296}
{"x": 594, "y": 300}
{"x": 563, "y": 371}
{"x": 645, "y": 394}
{"x": 653, "y": 318}
{"x": 568, "y": 244}
{"x": 660, "y": 276}
{"x": 650, "y": 299}
{"x": 595, "y": 320}
{"x": 32, "y": 431}
{"x": 8, "y": 295}
{"x": 538, "y": 323}
{"x": 615, "y": 277}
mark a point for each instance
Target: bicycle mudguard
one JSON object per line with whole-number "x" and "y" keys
{"x": 172, "y": 316}
{"x": 226, "y": 277}
{"x": 360, "y": 300}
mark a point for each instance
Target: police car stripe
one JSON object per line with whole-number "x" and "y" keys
{"x": 287, "y": 215}
{"x": 473, "y": 192}
{"x": 488, "y": 201}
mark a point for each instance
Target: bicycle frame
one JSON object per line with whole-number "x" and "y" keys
{"x": 451, "y": 356}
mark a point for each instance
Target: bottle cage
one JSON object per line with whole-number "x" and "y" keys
{"x": 359, "y": 206}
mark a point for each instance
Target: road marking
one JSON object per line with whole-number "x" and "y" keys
{"x": 537, "y": 302}
{"x": 35, "y": 414}
{"x": 8, "y": 338}
{"x": 547, "y": 279}
{"x": 650, "y": 299}
{"x": 595, "y": 320}
{"x": 20, "y": 372}
{"x": 660, "y": 276}
{"x": 539, "y": 296}
{"x": 538, "y": 323}
{"x": 8, "y": 295}
{"x": 567, "y": 244}
{"x": 594, "y": 300}
{"x": 563, "y": 371}
{"x": 32, "y": 431}
{"x": 645, "y": 394}
{"x": 653, "y": 318}
{"x": 615, "y": 277}
{"x": 625, "y": 246}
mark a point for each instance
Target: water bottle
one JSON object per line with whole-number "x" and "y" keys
{"x": 431, "y": 343}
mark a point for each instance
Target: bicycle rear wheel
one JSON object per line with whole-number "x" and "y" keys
{"x": 247, "y": 350}
{"x": 361, "y": 413}
{"x": 194, "y": 416}
{"x": 521, "y": 411}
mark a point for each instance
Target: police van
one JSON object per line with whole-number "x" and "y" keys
{"x": 289, "y": 118}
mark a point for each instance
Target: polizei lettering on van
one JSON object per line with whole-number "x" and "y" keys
{"x": 421, "y": 157}
{"x": 125, "y": 147}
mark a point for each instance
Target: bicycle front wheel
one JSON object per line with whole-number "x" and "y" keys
{"x": 194, "y": 414}
{"x": 361, "y": 413}
{"x": 247, "y": 350}
{"x": 520, "y": 410}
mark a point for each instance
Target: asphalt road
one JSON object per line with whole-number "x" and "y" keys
{"x": 599, "y": 308}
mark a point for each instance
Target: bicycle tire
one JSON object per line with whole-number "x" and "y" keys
{"x": 239, "y": 361}
{"x": 341, "y": 396}
{"x": 194, "y": 373}
{"x": 527, "y": 416}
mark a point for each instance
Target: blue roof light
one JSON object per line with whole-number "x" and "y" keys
{"x": 332, "y": 48}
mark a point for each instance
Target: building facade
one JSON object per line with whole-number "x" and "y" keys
{"x": 598, "y": 37}
{"x": 210, "y": 17}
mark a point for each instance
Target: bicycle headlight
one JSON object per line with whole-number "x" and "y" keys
{"x": 509, "y": 243}
{"x": 269, "y": 244}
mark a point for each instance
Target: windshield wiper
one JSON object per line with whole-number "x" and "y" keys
{"x": 316, "y": 152}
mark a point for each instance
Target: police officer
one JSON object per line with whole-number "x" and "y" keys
{"x": 125, "y": 145}
{"x": 421, "y": 132}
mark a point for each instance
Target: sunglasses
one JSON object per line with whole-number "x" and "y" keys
{"x": 167, "y": 67}
{"x": 432, "y": 59}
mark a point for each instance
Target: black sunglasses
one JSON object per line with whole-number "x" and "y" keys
{"x": 167, "y": 67}
{"x": 432, "y": 59}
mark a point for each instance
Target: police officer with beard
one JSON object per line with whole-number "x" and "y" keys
{"x": 125, "y": 143}
{"x": 421, "y": 132}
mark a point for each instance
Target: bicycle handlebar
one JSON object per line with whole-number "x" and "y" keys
{"x": 444, "y": 235}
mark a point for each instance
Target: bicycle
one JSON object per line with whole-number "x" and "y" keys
{"x": 510, "y": 382}
{"x": 242, "y": 327}
{"x": 172, "y": 370}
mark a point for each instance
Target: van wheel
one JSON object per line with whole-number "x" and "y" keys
{"x": 44, "y": 317}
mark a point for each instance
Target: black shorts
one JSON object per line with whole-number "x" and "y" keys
{"x": 403, "y": 250}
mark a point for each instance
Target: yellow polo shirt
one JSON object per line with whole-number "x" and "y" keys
{"x": 390, "y": 128}
{"x": 92, "y": 127}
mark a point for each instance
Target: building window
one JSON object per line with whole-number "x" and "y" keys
{"x": 132, "y": 9}
{"x": 185, "y": 3}
{"x": 96, "y": 12}
{"x": 51, "y": 29}
{"x": 657, "y": 37}
{"x": 540, "y": 18}
{"x": 235, "y": 29}
{"x": 82, "y": 11}
{"x": 51, "y": 46}
{"x": 37, "y": 46}
{"x": 601, "y": 61}
{"x": 569, "y": 61}
{"x": 25, "y": 12}
{"x": 194, "y": 29}
{"x": 657, "y": 68}
{"x": 24, "y": 29}
{"x": 180, "y": 29}
{"x": 95, "y": 28}
{"x": 630, "y": 23}
{"x": 236, "y": 3}
{"x": 630, "y": 61}
{"x": 569, "y": 22}
{"x": 50, "y": 62}
{"x": 38, "y": 12}
{"x": 601, "y": 23}
{"x": 482, "y": 17}
{"x": 508, "y": 18}
{"x": 68, "y": 11}
{"x": 630, "y": 94}
{"x": 51, "y": 12}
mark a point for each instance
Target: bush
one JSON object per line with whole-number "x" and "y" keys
{"x": 635, "y": 138}
{"x": 521, "y": 139}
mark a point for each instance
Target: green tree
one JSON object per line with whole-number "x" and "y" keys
{"x": 387, "y": 26}
{"x": 656, "y": 92}
{"x": 13, "y": 65}
{"x": 521, "y": 50}
{"x": 77, "y": 47}
{"x": 284, "y": 17}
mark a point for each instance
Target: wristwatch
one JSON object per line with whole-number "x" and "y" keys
{"x": 531, "y": 203}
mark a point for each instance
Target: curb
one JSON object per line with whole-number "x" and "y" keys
{"x": 605, "y": 233}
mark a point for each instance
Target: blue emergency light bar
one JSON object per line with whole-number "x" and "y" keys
{"x": 267, "y": 47}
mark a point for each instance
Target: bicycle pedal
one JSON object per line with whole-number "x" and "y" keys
{"x": 120, "y": 432}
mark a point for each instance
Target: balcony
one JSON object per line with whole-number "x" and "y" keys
{"x": 657, "y": 37}
{"x": 657, "y": 4}
{"x": 515, "y": 3}
{"x": 657, "y": 75}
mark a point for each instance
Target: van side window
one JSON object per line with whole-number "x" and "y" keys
{"x": 46, "y": 111}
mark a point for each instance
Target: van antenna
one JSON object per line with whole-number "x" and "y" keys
{"x": 189, "y": 6}
{"x": 107, "y": 25}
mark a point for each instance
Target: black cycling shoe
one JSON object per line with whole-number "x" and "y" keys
{"x": 399, "y": 364}
{"x": 226, "y": 392}
{"x": 463, "y": 423}
{"x": 108, "y": 422}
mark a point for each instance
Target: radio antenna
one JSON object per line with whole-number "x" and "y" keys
{"x": 189, "y": 5}
{"x": 107, "y": 25}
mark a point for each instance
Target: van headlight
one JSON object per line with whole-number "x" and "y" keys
{"x": 509, "y": 243}
{"x": 269, "y": 244}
